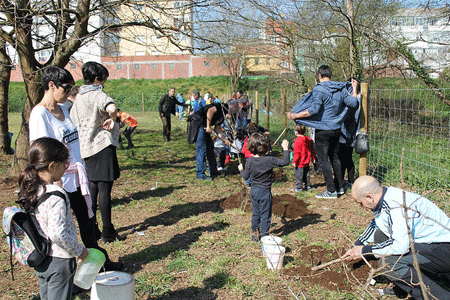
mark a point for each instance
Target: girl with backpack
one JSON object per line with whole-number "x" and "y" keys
{"x": 48, "y": 160}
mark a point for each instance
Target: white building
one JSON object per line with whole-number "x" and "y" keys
{"x": 425, "y": 32}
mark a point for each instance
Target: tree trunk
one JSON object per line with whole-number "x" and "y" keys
{"x": 34, "y": 94}
{"x": 5, "y": 73}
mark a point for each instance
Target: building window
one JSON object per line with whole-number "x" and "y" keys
{"x": 285, "y": 64}
{"x": 138, "y": 7}
{"x": 73, "y": 65}
{"x": 115, "y": 53}
{"x": 139, "y": 53}
{"x": 13, "y": 67}
{"x": 171, "y": 65}
{"x": 256, "y": 61}
{"x": 112, "y": 39}
{"x": 154, "y": 66}
{"x": 224, "y": 63}
{"x": 156, "y": 53}
{"x": 206, "y": 63}
{"x": 140, "y": 39}
{"x": 136, "y": 66}
{"x": 119, "y": 67}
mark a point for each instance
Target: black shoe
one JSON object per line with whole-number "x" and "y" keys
{"x": 110, "y": 238}
{"x": 113, "y": 266}
{"x": 130, "y": 146}
{"x": 76, "y": 290}
{"x": 204, "y": 177}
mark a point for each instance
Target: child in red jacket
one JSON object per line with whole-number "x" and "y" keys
{"x": 303, "y": 152}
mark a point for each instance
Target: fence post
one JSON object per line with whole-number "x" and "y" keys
{"x": 143, "y": 105}
{"x": 256, "y": 108}
{"x": 284, "y": 112}
{"x": 364, "y": 127}
{"x": 268, "y": 109}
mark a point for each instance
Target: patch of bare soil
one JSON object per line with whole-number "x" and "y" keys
{"x": 341, "y": 276}
{"x": 285, "y": 206}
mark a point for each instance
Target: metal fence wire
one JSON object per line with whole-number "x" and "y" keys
{"x": 409, "y": 135}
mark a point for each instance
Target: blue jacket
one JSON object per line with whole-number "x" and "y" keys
{"x": 350, "y": 123}
{"x": 326, "y": 103}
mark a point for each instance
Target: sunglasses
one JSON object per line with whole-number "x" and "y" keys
{"x": 67, "y": 87}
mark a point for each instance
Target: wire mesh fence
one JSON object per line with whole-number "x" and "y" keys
{"x": 409, "y": 134}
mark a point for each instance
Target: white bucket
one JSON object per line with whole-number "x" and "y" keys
{"x": 268, "y": 242}
{"x": 274, "y": 257}
{"x": 113, "y": 285}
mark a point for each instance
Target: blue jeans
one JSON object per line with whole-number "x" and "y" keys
{"x": 180, "y": 111}
{"x": 241, "y": 123}
{"x": 205, "y": 151}
{"x": 261, "y": 209}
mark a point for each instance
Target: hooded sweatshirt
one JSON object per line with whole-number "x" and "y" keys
{"x": 326, "y": 103}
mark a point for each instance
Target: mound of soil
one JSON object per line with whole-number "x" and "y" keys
{"x": 338, "y": 277}
{"x": 286, "y": 206}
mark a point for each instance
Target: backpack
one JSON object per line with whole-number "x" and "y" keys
{"x": 25, "y": 243}
{"x": 361, "y": 143}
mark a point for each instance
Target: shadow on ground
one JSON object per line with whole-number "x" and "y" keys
{"x": 175, "y": 214}
{"x": 176, "y": 243}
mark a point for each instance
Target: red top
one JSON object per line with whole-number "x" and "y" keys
{"x": 303, "y": 151}
{"x": 245, "y": 150}
{"x": 127, "y": 118}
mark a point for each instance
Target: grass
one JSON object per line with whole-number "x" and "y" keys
{"x": 191, "y": 247}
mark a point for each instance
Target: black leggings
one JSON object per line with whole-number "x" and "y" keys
{"x": 88, "y": 227}
{"x": 101, "y": 190}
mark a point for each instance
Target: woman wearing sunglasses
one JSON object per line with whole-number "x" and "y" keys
{"x": 50, "y": 118}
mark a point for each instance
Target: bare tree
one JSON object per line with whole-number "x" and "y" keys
{"x": 62, "y": 26}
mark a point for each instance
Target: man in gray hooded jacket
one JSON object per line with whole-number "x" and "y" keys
{"x": 324, "y": 110}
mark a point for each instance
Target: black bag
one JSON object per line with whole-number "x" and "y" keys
{"x": 361, "y": 143}
{"x": 195, "y": 121}
{"x": 21, "y": 230}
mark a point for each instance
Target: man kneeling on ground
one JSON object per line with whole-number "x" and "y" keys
{"x": 387, "y": 236}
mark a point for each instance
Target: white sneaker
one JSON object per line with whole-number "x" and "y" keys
{"x": 219, "y": 168}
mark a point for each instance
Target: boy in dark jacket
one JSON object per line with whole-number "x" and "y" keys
{"x": 260, "y": 168}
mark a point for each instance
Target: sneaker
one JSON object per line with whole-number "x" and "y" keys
{"x": 348, "y": 185}
{"x": 219, "y": 168}
{"x": 394, "y": 291}
{"x": 255, "y": 236}
{"x": 341, "y": 192}
{"x": 327, "y": 195}
{"x": 307, "y": 188}
{"x": 203, "y": 178}
{"x": 296, "y": 190}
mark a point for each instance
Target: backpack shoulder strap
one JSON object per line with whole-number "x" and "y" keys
{"x": 47, "y": 195}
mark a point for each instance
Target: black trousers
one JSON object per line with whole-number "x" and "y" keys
{"x": 434, "y": 259}
{"x": 345, "y": 156}
{"x": 326, "y": 147}
{"x": 88, "y": 226}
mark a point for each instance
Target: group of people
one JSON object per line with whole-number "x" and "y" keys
{"x": 75, "y": 153}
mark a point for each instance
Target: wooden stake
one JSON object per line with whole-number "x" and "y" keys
{"x": 280, "y": 136}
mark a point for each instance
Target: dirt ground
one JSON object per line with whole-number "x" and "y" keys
{"x": 163, "y": 223}
{"x": 340, "y": 277}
